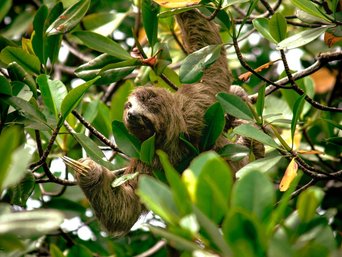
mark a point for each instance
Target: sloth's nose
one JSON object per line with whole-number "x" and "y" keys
{"x": 133, "y": 116}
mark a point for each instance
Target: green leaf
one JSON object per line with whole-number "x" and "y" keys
{"x": 213, "y": 232}
{"x": 123, "y": 179}
{"x": 308, "y": 202}
{"x": 310, "y": 8}
{"x": 244, "y": 234}
{"x": 214, "y": 125}
{"x": 260, "y": 101}
{"x": 249, "y": 131}
{"x": 5, "y": 87}
{"x": 28, "y": 61}
{"x": 235, "y": 106}
{"x": 69, "y": 18}
{"x": 234, "y": 152}
{"x": 30, "y": 111}
{"x": 180, "y": 194}
{"x": 79, "y": 250}
{"x": 147, "y": 151}
{"x": 23, "y": 190}
{"x": 17, "y": 73}
{"x": 5, "y": 6}
{"x": 178, "y": 241}
{"x": 195, "y": 63}
{"x": 19, "y": 162}
{"x": 158, "y": 198}
{"x": 11, "y": 243}
{"x": 262, "y": 26}
{"x": 53, "y": 93}
{"x": 92, "y": 150}
{"x": 119, "y": 99}
{"x": 55, "y": 251}
{"x": 301, "y": 38}
{"x": 53, "y": 42}
{"x": 102, "y": 44}
{"x": 126, "y": 142}
{"x": 38, "y": 40}
{"x": 255, "y": 194}
{"x": 9, "y": 140}
{"x": 263, "y": 164}
{"x": 30, "y": 224}
{"x": 297, "y": 110}
{"x": 150, "y": 12}
{"x": 278, "y": 26}
{"x": 73, "y": 98}
{"x": 213, "y": 186}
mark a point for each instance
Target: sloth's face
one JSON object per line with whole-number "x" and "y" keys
{"x": 141, "y": 112}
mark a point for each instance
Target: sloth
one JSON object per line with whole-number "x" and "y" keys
{"x": 157, "y": 111}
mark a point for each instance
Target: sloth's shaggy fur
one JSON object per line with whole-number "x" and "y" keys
{"x": 151, "y": 110}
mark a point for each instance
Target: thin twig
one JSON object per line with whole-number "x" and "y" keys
{"x": 153, "y": 249}
{"x": 96, "y": 133}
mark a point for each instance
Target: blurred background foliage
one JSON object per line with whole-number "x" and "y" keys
{"x": 51, "y": 54}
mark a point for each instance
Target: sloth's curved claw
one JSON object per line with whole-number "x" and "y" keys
{"x": 77, "y": 166}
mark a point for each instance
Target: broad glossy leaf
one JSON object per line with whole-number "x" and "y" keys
{"x": 92, "y": 150}
{"x": 74, "y": 97}
{"x": 102, "y": 44}
{"x": 260, "y": 101}
{"x": 214, "y": 125}
{"x": 178, "y": 241}
{"x": 178, "y": 188}
{"x": 31, "y": 223}
{"x": 126, "y": 142}
{"x": 150, "y": 12}
{"x": 234, "y": 152}
{"x": 38, "y": 40}
{"x": 147, "y": 151}
{"x": 263, "y": 164}
{"x": 123, "y": 179}
{"x": 30, "y": 111}
{"x": 308, "y": 202}
{"x": 11, "y": 243}
{"x": 252, "y": 132}
{"x": 301, "y": 38}
{"x": 213, "y": 186}
{"x": 244, "y": 234}
{"x": 158, "y": 198}
{"x": 69, "y": 18}
{"x": 103, "y": 23}
{"x": 17, "y": 73}
{"x": 5, "y": 86}
{"x": 5, "y": 6}
{"x": 310, "y": 8}
{"x": 20, "y": 192}
{"x": 27, "y": 61}
{"x": 262, "y": 26}
{"x": 213, "y": 232}
{"x": 55, "y": 251}
{"x": 195, "y": 63}
{"x": 278, "y": 26}
{"x": 9, "y": 140}
{"x": 79, "y": 250}
{"x": 19, "y": 162}
{"x": 255, "y": 194}
{"x": 110, "y": 75}
{"x": 235, "y": 106}
{"x": 53, "y": 93}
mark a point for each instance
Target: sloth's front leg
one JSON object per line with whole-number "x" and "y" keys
{"x": 116, "y": 208}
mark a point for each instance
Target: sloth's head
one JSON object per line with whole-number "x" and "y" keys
{"x": 151, "y": 110}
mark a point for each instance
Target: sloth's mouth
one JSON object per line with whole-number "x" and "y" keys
{"x": 139, "y": 125}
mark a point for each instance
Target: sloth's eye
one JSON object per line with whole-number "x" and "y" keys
{"x": 128, "y": 105}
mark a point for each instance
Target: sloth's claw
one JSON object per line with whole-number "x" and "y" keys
{"x": 77, "y": 166}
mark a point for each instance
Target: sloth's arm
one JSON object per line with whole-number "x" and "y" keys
{"x": 197, "y": 32}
